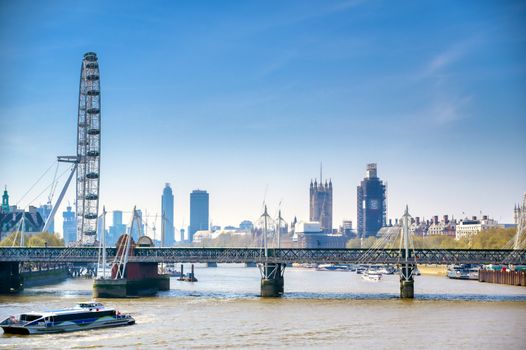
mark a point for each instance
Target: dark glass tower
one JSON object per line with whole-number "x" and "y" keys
{"x": 371, "y": 203}
{"x": 199, "y": 210}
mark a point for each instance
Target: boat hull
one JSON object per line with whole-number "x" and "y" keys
{"x": 68, "y": 326}
{"x": 123, "y": 288}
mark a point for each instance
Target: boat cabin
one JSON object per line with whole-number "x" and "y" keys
{"x": 91, "y": 305}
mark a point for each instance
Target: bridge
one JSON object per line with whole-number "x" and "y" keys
{"x": 257, "y": 255}
{"x": 272, "y": 261}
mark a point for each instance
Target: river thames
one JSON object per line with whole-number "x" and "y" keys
{"x": 320, "y": 310}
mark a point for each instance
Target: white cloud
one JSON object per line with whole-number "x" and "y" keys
{"x": 449, "y": 109}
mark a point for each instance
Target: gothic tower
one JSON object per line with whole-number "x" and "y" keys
{"x": 321, "y": 204}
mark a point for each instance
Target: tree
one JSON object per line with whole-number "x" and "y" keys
{"x": 495, "y": 238}
{"x": 36, "y": 240}
{"x": 13, "y": 236}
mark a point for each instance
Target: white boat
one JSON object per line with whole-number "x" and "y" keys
{"x": 84, "y": 316}
{"x": 333, "y": 267}
{"x": 373, "y": 276}
{"x": 386, "y": 270}
{"x": 464, "y": 272}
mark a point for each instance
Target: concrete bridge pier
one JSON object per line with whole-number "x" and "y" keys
{"x": 272, "y": 281}
{"x": 11, "y": 280}
{"x": 407, "y": 282}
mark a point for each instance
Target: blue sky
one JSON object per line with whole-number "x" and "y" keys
{"x": 244, "y": 99}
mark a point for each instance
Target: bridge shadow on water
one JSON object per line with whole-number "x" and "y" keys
{"x": 174, "y": 293}
{"x": 228, "y": 295}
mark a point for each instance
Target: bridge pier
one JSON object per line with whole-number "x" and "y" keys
{"x": 272, "y": 280}
{"x": 11, "y": 280}
{"x": 407, "y": 282}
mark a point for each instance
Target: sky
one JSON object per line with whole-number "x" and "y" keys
{"x": 245, "y": 99}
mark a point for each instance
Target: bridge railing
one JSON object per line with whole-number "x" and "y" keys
{"x": 284, "y": 255}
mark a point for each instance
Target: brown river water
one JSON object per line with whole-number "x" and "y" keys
{"x": 320, "y": 310}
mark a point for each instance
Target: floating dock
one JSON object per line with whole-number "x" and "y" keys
{"x": 131, "y": 279}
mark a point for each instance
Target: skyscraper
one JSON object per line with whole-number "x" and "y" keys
{"x": 321, "y": 204}
{"x": 45, "y": 211}
{"x": 167, "y": 215}
{"x": 69, "y": 226}
{"x": 371, "y": 203}
{"x": 137, "y": 228}
{"x": 116, "y": 229}
{"x": 199, "y": 211}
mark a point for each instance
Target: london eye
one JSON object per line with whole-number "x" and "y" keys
{"x": 88, "y": 150}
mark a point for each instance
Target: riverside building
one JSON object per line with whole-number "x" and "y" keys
{"x": 311, "y": 235}
{"x": 470, "y": 227}
{"x": 443, "y": 227}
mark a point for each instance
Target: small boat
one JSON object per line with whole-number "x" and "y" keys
{"x": 333, "y": 267}
{"x": 464, "y": 272}
{"x": 84, "y": 316}
{"x": 189, "y": 277}
{"x": 361, "y": 270}
{"x": 172, "y": 272}
{"x": 371, "y": 275}
{"x": 304, "y": 266}
{"x": 386, "y": 270}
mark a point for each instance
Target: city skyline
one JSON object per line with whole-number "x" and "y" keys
{"x": 322, "y": 88}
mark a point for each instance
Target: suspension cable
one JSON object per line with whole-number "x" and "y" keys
{"x": 54, "y": 187}
{"x": 36, "y": 182}
{"x": 47, "y": 187}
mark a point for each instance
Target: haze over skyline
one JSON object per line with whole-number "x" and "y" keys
{"x": 244, "y": 99}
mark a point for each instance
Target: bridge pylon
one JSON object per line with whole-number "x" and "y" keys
{"x": 520, "y": 221}
{"x": 407, "y": 267}
{"x": 272, "y": 280}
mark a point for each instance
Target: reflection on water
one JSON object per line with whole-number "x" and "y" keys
{"x": 320, "y": 309}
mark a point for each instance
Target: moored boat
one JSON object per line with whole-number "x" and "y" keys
{"x": 371, "y": 275}
{"x": 333, "y": 267}
{"x": 84, "y": 316}
{"x": 464, "y": 272}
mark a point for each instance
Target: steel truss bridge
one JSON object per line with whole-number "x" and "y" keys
{"x": 257, "y": 255}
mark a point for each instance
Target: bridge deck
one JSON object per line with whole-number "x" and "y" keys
{"x": 284, "y": 255}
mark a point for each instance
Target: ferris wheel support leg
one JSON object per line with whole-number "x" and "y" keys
{"x": 49, "y": 219}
